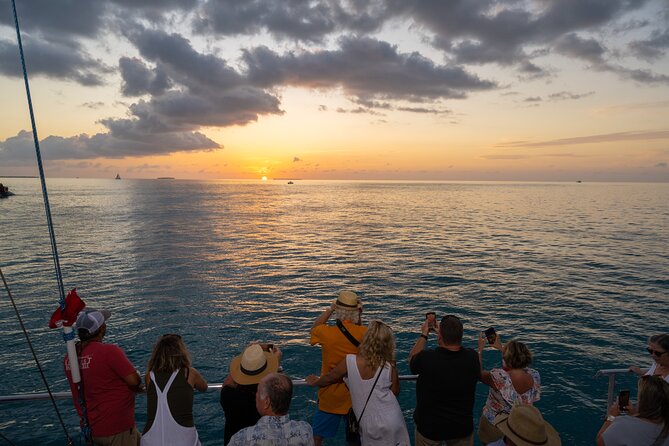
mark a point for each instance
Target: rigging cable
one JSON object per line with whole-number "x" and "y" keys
{"x": 7, "y": 440}
{"x": 68, "y": 334}
{"x": 39, "y": 366}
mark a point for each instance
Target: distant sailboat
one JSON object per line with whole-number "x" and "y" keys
{"x": 118, "y": 177}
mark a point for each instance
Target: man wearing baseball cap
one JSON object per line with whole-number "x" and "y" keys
{"x": 109, "y": 383}
{"x": 337, "y": 341}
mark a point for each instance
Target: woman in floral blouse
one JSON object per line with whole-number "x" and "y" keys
{"x": 514, "y": 383}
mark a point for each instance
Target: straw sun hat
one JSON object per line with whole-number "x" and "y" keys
{"x": 347, "y": 300}
{"x": 252, "y": 365}
{"x": 526, "y": 427}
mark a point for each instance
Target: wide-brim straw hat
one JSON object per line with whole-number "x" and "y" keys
{"x": 347, "y": 300}
{"x": 526, "y": 427}
{"x": 252, "y": 365}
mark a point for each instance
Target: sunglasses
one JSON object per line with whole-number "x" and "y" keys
{"x": 655, "y": 352}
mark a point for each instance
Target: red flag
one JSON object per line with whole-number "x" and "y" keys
{"x": 67, "y": 318}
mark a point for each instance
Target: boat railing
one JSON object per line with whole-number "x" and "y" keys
{"x": 212, "y": 387}
{"x": 611, "y": 373}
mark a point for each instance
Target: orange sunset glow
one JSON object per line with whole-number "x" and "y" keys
{"x": 416, "y": 91}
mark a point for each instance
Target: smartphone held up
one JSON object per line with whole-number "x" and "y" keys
{"x": 431, "y": 318}
{"x": 491, "y": 335}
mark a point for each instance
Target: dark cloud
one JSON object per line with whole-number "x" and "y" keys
{"x": 296, "y": 159}
{"x": 138, "y": 79}
{"x": 533, "y": 99}
{"x": 365, "y": 69}
{"x": 55, "y": 59}
{"x": 586, "y": 49}
{"x": 652, "y": 48}
{"x": 509, "y": 33}
{"x": 296, "y": 19}
{"x": 56, "y": 18}
{"x": 662, "y": 165}
{"x": 119, "y": 142}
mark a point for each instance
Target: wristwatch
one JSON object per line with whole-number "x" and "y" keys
{"x": 610, "y": 418}
{"x": 423, "y": 336}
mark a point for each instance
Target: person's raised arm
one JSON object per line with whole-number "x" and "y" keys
{"x": 196, "y": 380}
{"x": 334, "y": 376}
{"x": 638, "y": 370}
{"x": 614, "y": 411}
{"x": 486, "y": 377}
{"x": 325, "y": 315}
{"x": 419, "y": 346}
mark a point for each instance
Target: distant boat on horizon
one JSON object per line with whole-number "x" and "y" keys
{"x": 118, "y": 177}
{"x": 290, "y": 182}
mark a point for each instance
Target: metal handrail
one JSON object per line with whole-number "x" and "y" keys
{"x": 611, "y": 373}
{"x": 213, "y": 387}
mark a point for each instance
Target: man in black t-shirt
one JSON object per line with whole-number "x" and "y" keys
{"x": 446, "y": 386}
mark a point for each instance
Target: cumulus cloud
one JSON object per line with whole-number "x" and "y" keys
{"x": 365, "y": 69}
{"x": 138, "y": 79}
{"x": 119, "y": 142}
{"x": 296, "y": 19}
{"x": 178, "y": 90}
{"x": 652, "y": 48}
{"x": 55, "y": 59}
{"x": 589, "y": 50}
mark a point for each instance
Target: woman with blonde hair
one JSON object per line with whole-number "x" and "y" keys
{"x": 514, "y": 383}
{"x": 373, "y": 382}
{"x": 647, "y": 424}
{"x": 170, "y": 381}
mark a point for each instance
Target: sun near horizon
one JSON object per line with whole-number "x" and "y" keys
{"x": 420, "y": 94}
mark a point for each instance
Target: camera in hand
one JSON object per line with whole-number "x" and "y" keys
{"x": 491, "y": 335}
{"x": 431, "y": 317}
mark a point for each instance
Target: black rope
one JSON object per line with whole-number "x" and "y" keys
{"x": 39, "y": 366}
{"x": 52, "y": 234}
{"x": 7, "y": 440}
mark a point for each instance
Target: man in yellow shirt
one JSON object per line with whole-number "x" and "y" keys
{"x": 337, "y": 341}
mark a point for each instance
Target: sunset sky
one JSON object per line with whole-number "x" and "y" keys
{"x": 548, "y": 90}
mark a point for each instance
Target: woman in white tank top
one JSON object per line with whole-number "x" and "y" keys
{"x": 170, "y": 382}
{"x": 373, "y": 383}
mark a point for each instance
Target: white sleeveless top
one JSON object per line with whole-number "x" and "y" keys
{"x": 651, "y": 372}
{"x": 382, "y": 423}
{"x": 165, "y": 431}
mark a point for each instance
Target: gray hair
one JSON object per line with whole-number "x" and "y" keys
{"x": 347, "y": 315}
{"x": 279, "y": 389}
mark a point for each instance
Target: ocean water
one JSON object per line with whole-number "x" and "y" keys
{"x": 577, "y": 271}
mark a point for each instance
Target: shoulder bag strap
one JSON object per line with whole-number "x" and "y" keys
{"x": 371, "y": 391}
{"x": 347, "y": 333}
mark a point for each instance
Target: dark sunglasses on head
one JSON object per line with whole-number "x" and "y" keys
{"x": 655, "y": 352}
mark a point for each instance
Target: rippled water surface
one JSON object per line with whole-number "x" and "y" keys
{"x": 578, "y": 271}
